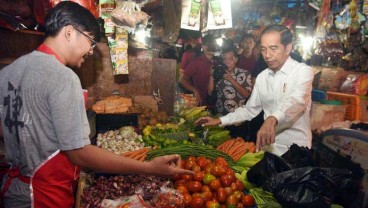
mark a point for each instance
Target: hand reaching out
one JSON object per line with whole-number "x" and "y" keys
{"x": 266, "y": 134}
{"x": 167, "y": 165}
{"x": 208, "y": 121}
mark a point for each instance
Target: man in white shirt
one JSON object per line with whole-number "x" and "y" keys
{"x": 282, "y": 91}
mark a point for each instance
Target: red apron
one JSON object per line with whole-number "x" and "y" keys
{"x": 53, "y": 181}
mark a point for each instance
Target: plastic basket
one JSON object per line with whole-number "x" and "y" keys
{"x": 364, "y": 108}
{"x": 352, "y": 102}
{"x": 318, "y": 95}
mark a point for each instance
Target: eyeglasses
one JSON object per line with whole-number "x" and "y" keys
{"x": 93, "y": 42}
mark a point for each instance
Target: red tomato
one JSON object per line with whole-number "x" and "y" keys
{"x": 191, "y": 158}
{"x": 231, "y": 200}
{"x": 187, "y": 199}
{"x": 186, "y": 177}
{"x": 197, "y": 202}
{"x": 221, "y": 194}
{"x": 190, "y": 164}
{"x": 198, "y": 176}
{"x": 205, "y": 188}
{"x": 218, "y": 171}
{"x": 240, "y": 185}
{"x": 206, "y": 196}
{"x": 208, "y": 178}
{"x": 215, "y": 184}
{"x": 179, "y": 182}
{"x": 196, "y": 168}
{"x": 234, "y": 186}
{"x": 208, "y": 168}
{"x": 228, "y": 190}
{"x": 225, "y": 180}
{"x": 221, "y": 161}
{"x": 183, "y": 189}
{"x": 231, "y": 175}
{"x": 248, "y": 200}
{"x": 194, "y": 186}
{"x": 238, "y": 194}
{"x": 223, "y": 206}
{"x": 212, "y": 204}
{"x": 201, "y": 162}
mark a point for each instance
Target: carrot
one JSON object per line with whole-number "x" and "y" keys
{"x": 141, "y": 155}
{"x": 238, "y": 145}
{"x": 228, "y": 148}
{"x": 252, "y": 149}
{"x": 225, "y": 145}
{"x": 135, "y": 153}
{"x": 240, "y": 152}
{"x": 143, "y": 158}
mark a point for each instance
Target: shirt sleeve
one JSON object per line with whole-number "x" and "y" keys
{"x": 68, "y": 115}
{"x": 298, "y": 100}
{"x": 245, "y": 113}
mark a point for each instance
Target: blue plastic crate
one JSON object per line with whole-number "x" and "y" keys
{"x": 318, "y": 95}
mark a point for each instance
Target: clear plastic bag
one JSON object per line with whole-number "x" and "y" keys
{"x": 129, "y": 14}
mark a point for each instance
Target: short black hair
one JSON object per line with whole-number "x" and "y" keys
{"x": 230, "y": 49}
{"x": 208, "y": 39}
{"x": 285, "y": 33}
{"x": 70, "y": 13}
{"x": 248, "y": 36}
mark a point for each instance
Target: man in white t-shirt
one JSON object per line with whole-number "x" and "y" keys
{"x": 282, "y": 91}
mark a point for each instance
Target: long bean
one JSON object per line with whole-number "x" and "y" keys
{"x": 186, "y": 150}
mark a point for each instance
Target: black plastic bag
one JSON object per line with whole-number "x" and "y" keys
{"x": 266, "y": 168}
{"x": 308, "y": 186}
{"x": 300, "y": 157}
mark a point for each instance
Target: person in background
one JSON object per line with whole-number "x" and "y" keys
{"x": 247, "y": 58}
{"x": 233, "y": 88}
{"x": 196, "y": 75}
{"x": 44, "y": 121}
{"x": 282, "y": 91}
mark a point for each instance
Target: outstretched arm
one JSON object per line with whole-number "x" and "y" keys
{"x": 101, "y": 160}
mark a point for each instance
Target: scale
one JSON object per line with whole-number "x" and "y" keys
{"x": 353, "y": 145}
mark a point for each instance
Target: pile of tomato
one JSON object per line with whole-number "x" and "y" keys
{"x": 213, "y": 185}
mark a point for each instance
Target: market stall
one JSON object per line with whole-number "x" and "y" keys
{"x": 137, "y": 109}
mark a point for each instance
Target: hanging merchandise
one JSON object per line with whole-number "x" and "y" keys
{"x": 171, "y": 18}
{"x": 128, "y": 14}
{"x": 316, "y": 4}
{"x": 325, "y": 20}
{"x": 119, "y": 51}
{"x": 356, "y": 17}
{"x": 365, "y": 7}
{"x": 190, "y": 16}
{"x": 105, "y": 8}
{"x": 343, "y": 19}
{"x": 219, "y": 14}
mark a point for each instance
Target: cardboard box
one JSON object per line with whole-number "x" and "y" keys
{"x": 331, "y": 79}
{"x": 322, "y": 115}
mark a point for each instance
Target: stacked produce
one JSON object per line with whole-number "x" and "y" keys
{"x": 140, "y": 154}
{"x": 244, "y": 164}
{"x": 151, "y": 117}
{"x": 213, "y": 185}
{"x": 190, "y": 150}
{"x": 114, "y": 187}
{"x": 119, "y": 141}
{"x": 237, "y": 147}
{"x": 165, "y": 135}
